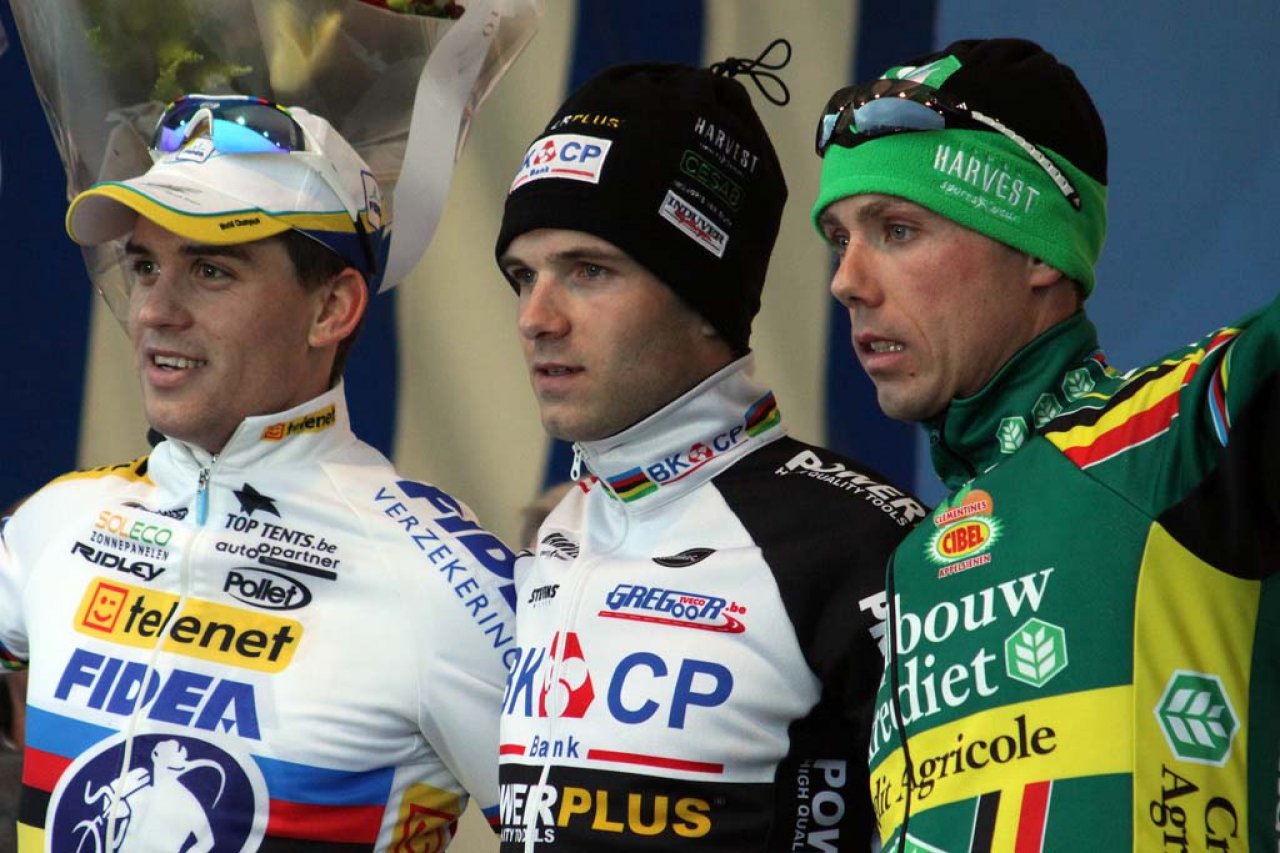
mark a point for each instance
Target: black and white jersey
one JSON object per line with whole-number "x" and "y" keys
{"x": 698, "y": 635}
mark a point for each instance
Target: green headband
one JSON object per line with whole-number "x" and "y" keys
{"x": 984, "y": 182}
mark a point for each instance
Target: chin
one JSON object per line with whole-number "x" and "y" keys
{"x": 575, "y": 431}
{"x": 557, "y": 428}
{"x": 903, "y": 408}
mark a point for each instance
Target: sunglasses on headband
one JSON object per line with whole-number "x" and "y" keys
{"x": 244, "y": 124}
{"x": 857, "y": 114}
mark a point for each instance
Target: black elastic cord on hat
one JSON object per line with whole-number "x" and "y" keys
{"x": 759, "y": 71}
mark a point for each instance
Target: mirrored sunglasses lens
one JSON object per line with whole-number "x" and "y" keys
{"x": 859, "y": 113}
{"x": 169, "y": 134}
{"x": 826, "y": 127}
{"x": 274, "y": 126}
{"x": 238, "y": 128}
{"x": 885, "y": 115}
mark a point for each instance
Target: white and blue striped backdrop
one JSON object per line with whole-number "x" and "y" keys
{"x": 1188, "y": 92}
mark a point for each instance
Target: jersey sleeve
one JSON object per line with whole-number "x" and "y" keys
{"x": 13, "y": 631}
{"x": 466, "y": 636}
{"x": 1229, "y": 515}
{"x": 826, "y": 527}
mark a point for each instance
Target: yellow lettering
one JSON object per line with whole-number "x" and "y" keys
{"x": 635, "y": 818}
{"x": 693, "y": 812}
{"x": 601, "y": 821}
{"x": 574, "y": 801}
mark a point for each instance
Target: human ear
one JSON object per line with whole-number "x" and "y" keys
{"x": 341, "y": 304}
{"x": 1040, "y": 274}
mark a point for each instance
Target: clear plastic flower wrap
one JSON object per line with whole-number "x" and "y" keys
{"x": 105, "y": 69}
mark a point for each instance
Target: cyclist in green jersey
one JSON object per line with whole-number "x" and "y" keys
{"x": 1084, "y": 643}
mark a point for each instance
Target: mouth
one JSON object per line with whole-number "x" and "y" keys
{"x": 170, "y": 371}
{"x": 871, "y": 344}
{"x": 555, "y": 370}
{"x": 176, "y": 362}
{"x": 553, "y": 380}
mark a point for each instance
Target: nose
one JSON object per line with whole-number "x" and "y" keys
{"x": 541, "y": 311}
{"x": 854, "y": 283}
{"x": 159, "y": 303}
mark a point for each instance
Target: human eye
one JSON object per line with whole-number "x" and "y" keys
{"x": 521, "y": 275}
{"x": 898, "y": 232}
{"x": 209, "y": 272}
{"x": 837, "y": 239}
{"x": 141, "y": 267}
{"x": 592, "y": 271}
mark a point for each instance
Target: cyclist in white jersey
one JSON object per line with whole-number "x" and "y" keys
{"x": 259, "y": 636}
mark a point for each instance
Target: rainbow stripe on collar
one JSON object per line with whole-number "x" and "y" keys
{"x": 632, "y": 485}
{"x": 763, "y": 415}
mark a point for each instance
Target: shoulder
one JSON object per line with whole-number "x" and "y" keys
{"x": 818, "y": 517}
{"x": 89, "y": 483}
{"x": 1109, "y": 414}
{"x": 133, "y": 471}
{"x": 799, "y": 482}
{"x": 65, "y": 499}
{"x": 437, "y": 531}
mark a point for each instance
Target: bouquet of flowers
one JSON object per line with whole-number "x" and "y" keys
{"x": 104, "y": 70}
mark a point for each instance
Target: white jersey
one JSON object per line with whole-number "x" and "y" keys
{"x": 698, "y": 636}
{"x": 286, "y": 646}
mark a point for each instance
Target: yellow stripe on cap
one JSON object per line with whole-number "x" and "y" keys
{"x": 225, "y": 227}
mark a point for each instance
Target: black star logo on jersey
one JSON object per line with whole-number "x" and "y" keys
{"x": 251, "y": 499}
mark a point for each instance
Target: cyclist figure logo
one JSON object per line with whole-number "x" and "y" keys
{"x": 130, "y": 796}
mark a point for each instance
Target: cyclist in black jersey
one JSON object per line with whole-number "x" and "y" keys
{"x": 699, "y": 623}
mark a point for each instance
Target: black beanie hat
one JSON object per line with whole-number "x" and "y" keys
{"x": 671, "y": 164}
{"x": 1029, "y": 90}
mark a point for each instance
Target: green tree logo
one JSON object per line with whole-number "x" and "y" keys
{"x": 1035, "y": 653}
{"x": 1046, "y": 409}
{"x": 1197, "y": 719}
{"x": 1011, "y": 434}
{"x": 1077, "y": 383}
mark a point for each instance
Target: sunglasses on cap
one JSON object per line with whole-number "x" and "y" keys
{"x": 857, "y": 114}
{"x": 244, "y": 124}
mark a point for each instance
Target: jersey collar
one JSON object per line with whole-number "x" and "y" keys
{"x": 688, "y": 441}
{"x": 296, "y": 436}
{"x": 975, "y": 434}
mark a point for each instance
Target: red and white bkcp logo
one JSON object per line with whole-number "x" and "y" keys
{"x": 563, "y": 155}
{"x": 566, "y": 688}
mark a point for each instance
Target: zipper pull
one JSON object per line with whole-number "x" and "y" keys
{"x": 575, "y": 471}
{"x": 202, "y": 494}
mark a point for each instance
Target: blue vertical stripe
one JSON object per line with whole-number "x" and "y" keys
{"x": 609, "y": 32}
{"x": 888, "y": 33}
{"x": 47, "y": 294}
{"x": 372, "y": 375}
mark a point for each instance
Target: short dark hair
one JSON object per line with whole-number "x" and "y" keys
{"x": 316, "y": 264}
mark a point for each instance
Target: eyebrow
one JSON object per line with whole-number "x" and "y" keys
{"x": 574, "y": 255}
{"x": 866, "y": 213}
{"x": 827, "y": 222}
{"x": 231, "y": 250}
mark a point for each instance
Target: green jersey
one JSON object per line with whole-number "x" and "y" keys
{"x": 1085, "y": 637}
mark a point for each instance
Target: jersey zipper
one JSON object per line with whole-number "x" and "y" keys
{"x": 202, "y": 493}
{"x": 184, "y": 589}
{"x": 575, "y": 581}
